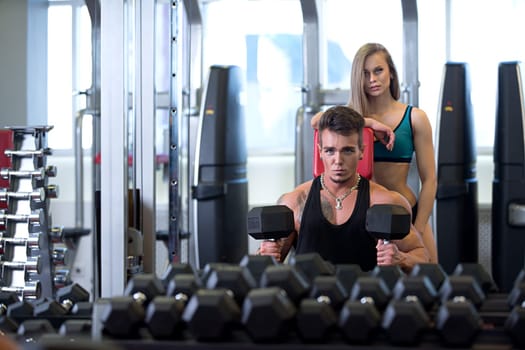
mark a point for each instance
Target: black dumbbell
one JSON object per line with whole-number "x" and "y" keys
{"x": 256, "y": 264}
{"x": 270, "y": 222}
{"x": 360, "y": 317}
{"x": 232, "y": 277}
{"x": 388, "y": 273}
{"x": 434, "y": 272}
{"x": 419, "y": 287}
{"x": 405, "y": 321}
{"x": 347, "y": 274}
{"x": 458, "y": 320}
{"x": 268, "y": 314}
{"x": 66, "y": 299}
{"x": 175, "y": 269}
{"x": 388, "y": 221}
{"x": 212, "y": 314}
{"x": 317, "y": 315}
{"x": 311, "y": 265}
{"x": 515, "y": 321}
{"x": 287, "y": 278}
{"x": 123, "y": 316}
{"x": 163, "y": 315}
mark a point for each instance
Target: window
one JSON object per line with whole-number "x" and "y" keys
{"x": 69, "y": 70}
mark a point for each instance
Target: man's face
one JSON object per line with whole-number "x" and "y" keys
{"x": 340, "y": 155}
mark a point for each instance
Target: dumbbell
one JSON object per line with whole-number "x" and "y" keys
{"x": 268, "y": 314}
{"x": 37, "y": 174}
{"x": 405, "y": 320}
{"x": 458, "y": 320}
{"x": 360, "y": 316}
{"x": 212, "y": 314}
{"x": 270, "y": 222}
{"x": 515, "y": 321}
{"x": 317, "y": 315}
{"x": 123, "y": 316}
{"x": 257, "y": 264}
{"x": 32, "y": 243}
{"x": 71, "y": 301}
{"x": 164, "y": 313}
{"x": 388, "y": 221}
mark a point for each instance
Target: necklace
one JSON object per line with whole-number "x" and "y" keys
{"x": 339, "y": 200}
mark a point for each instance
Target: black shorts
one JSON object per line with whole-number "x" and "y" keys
{"x": 414, "y": 213}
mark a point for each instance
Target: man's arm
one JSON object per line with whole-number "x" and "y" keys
{"x": 295, "y": 201}
{"x": 406, "y": 252}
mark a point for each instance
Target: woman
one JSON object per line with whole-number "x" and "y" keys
{"x": 375, "y": 92}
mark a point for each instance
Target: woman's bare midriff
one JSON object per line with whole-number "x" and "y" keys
{"x": 394, "y": 177}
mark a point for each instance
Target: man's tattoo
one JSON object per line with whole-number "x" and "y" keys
{"x": 328, "y": 211}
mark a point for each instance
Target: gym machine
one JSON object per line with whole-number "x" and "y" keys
{"x": 220, "y": 190}
{"x": 508, "y": 186}
{"x": 456, "y": 207}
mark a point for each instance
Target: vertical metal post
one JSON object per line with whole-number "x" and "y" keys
{"x": 114, "y": 166}
{"x": 145, "y": 130}
{"x": 311, "y": 89}
{"x": 175, "y": 120}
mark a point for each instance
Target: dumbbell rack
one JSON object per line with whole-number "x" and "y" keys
{"x": 32, "y": 256}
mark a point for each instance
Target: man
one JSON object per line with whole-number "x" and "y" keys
{"x": 330, "y": 211}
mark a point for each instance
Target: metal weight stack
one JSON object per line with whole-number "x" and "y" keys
{"x": 32, "y": 254}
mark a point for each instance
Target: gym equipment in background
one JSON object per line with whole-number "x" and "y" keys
{"x": 456, "y": 206}
{"x": 220, "y": 190}
{"x": 508, "y": 185}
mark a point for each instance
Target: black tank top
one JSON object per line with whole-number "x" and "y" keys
{"x": 348, "y": 243}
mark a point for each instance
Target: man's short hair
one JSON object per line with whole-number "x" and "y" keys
{"x": 342, "y": 120}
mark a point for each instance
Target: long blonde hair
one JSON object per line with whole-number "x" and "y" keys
{"x": 358, "y": 98}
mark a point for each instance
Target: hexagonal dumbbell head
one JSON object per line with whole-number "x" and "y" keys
{"x": 479, "y": 273}
{"x": 373, "y": 288}
{"x": 405, "y": 321}
{"x": 348, "y": 274}
{"x": 389, "y": 273}
{"x": 458, "y": 322}
{"x": 211, "y": 314}
{"x": 386, "y": 221}
{"x": 462, "y": 286}
{"x": 122, "y": 317}
{"x": 175, "y": 269}
{"x": 72, "y": 294}
{"x": 515, "y": 324}
{"x": 312, "y": 265}
{"x": 164, "y": 317}
{"x": 434, "y": 272}
{"x": 235, "y": 278}
{"x": 144, "y": 287}
{"x": 359, "y": 320}
{"x": 6, "y": 299}
{"x": 315, "y": 320}
{"x": 183, "y": 285}
{"x": 416, "y": 286}
{"x": 270, "y": 222}
{"x": 287, "y": 278}
{"x": 267, "y": 314}
{"x": 256, "y": 264}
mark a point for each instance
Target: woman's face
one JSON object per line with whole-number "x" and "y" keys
{"x": 376, "y": 75}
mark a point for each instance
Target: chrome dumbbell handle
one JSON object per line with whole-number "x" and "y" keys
{"x": 37, "y": 195}
{"x": 26, "y": 153}
{"x": 30, "y": 218}
{"x": 31, "y": 290}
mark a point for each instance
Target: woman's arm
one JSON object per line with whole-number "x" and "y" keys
{"x": 382, "y": 132}
{"x": 424, "y": 148}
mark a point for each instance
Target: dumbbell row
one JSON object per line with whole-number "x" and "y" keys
{"x": 225, "y": 290}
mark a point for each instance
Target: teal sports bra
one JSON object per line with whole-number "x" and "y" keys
{"x": 403, "y": 145}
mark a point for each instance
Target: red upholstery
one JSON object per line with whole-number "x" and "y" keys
{"x": 365, "y": 166}
{"x": 6, "y": 143}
